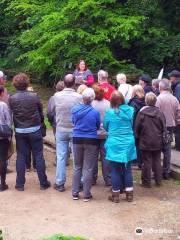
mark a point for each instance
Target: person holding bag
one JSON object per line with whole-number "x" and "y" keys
{"x": 5, "y": 136}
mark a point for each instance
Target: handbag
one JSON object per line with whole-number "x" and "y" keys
{"x": 167, "y": 137}
{"x": 5, "y": 131}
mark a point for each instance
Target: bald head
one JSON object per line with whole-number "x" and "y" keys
{"x": 69, "y": 81}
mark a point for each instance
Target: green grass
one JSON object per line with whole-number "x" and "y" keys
{"x": 61, "y": 237}
{"x": 177, "y": 182}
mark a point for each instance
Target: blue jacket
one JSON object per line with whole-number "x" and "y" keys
{"x": 120, "y": 143}
{"x": 86, "y": 121}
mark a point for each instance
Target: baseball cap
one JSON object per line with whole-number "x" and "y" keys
{"x": 174, "y": 73}
{"x": 146, "y": 78}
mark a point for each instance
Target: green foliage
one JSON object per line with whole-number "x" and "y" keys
{"x": 61, "y": 237}
{"x": 48, "y": 38}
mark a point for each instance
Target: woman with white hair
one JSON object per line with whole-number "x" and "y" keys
{"x": 124, "y": 88}
{"x": 137, "y": 102}
{"x": 86, "y": 122}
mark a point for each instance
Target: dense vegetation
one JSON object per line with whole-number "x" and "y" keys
{"x": 48, "y": 37}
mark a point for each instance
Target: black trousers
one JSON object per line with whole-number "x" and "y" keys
{"x": 151, "y": 160}
{"x": 177, "y": 137}
{"x": 4, "y": 146}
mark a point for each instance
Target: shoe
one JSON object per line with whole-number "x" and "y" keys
{"x": 76, "y": 197}
{"x": 129, "y": 196}
{"x": 3, "y": 187}
{"x": 45, "y": 186}
{"x": 21, "y": 189}
{"x": 166, "y": 176}
{"x": 87, "y": 199}
{"x": 114, "y": 197}
{"x": 59, "y": 188}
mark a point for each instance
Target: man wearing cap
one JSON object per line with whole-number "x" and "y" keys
{"x": 2, "y": 83}
{"x": 174, "y": 77}
{"x": 145, "y": 82}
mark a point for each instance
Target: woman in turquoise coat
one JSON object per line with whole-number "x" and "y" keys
{"x": 120, "y": 146}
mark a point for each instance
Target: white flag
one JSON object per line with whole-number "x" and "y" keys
{"x": 161, "y": 74}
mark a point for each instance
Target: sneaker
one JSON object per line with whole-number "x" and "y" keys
{"x": 87, "y": 199}
{"x": 21, "y": 189}
{"x": 45, "y": 186}
{"x": 59, "y": 188}
{"x": 76, "y": 197}
{"x": 3, "y": 187}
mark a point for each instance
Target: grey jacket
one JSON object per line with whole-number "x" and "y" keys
{"x": 64, "y": 101}
{"x": 5, "y": 114}
{"x": 169, "y": 106}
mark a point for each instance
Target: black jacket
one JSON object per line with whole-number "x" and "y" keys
{"x": 176, "y": 89}
{"x": 137, "y": 103}
{"x": 27, "y": 109}
{"x": 149, "y": 127}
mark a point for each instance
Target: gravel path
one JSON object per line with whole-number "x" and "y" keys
{"x": 34, "y": 214}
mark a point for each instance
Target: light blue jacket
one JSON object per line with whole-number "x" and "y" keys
{"x": 120, "y": 143}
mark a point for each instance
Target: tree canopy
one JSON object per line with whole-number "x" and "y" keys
{"x": 47, "y": 38}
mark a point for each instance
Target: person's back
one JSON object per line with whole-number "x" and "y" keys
{"x": 152, "y": 126}
{"x": 168, "y": 105}
{"x": 103, "y": 82}
{"x": 101, "y": 107}
{"x": 26, "y": 108}
{"x": 120, "y": 121}
{"x": 86, "y": 121}
{"x": 64, "y": 101}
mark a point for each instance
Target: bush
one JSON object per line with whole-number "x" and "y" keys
{"x": 61, "y": 237}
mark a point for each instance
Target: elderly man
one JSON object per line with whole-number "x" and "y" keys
{"x": 169, "y": 106}
{"x": 175, "y": 85}
{"x": 145, "y": 82}
{"x": 64, "y": 101}
{"x": 103, "y": 82}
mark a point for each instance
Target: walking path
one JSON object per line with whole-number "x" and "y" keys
{"x": 33, "y": 214}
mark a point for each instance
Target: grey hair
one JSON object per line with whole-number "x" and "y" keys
{"x": 102, "y": 75}
{"x": 150, "y": 99}
{"x": 164, "y": 84}
{"x": 156, "y": 82}
{"x": 88, "y": 95}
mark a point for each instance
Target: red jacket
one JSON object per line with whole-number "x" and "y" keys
{"x": 108, "y": 90}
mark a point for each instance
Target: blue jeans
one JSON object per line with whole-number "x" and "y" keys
{"x": 121, "y": 176}
{"x": 25, "y": 142}
{"x": 63, "y": 139}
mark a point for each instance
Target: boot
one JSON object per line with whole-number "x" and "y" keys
{"x": 114, "y": 197}
{"x": 129, "y": 196}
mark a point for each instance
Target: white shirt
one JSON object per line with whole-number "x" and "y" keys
{"x": 126, "y": 90}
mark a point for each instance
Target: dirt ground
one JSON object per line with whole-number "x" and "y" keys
{"x": 34, "y": 214}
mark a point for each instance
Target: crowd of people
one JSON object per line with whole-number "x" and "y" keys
{"x": 93, "y": 120}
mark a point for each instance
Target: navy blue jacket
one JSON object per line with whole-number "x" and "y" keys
{"x": 176, "y": 89}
